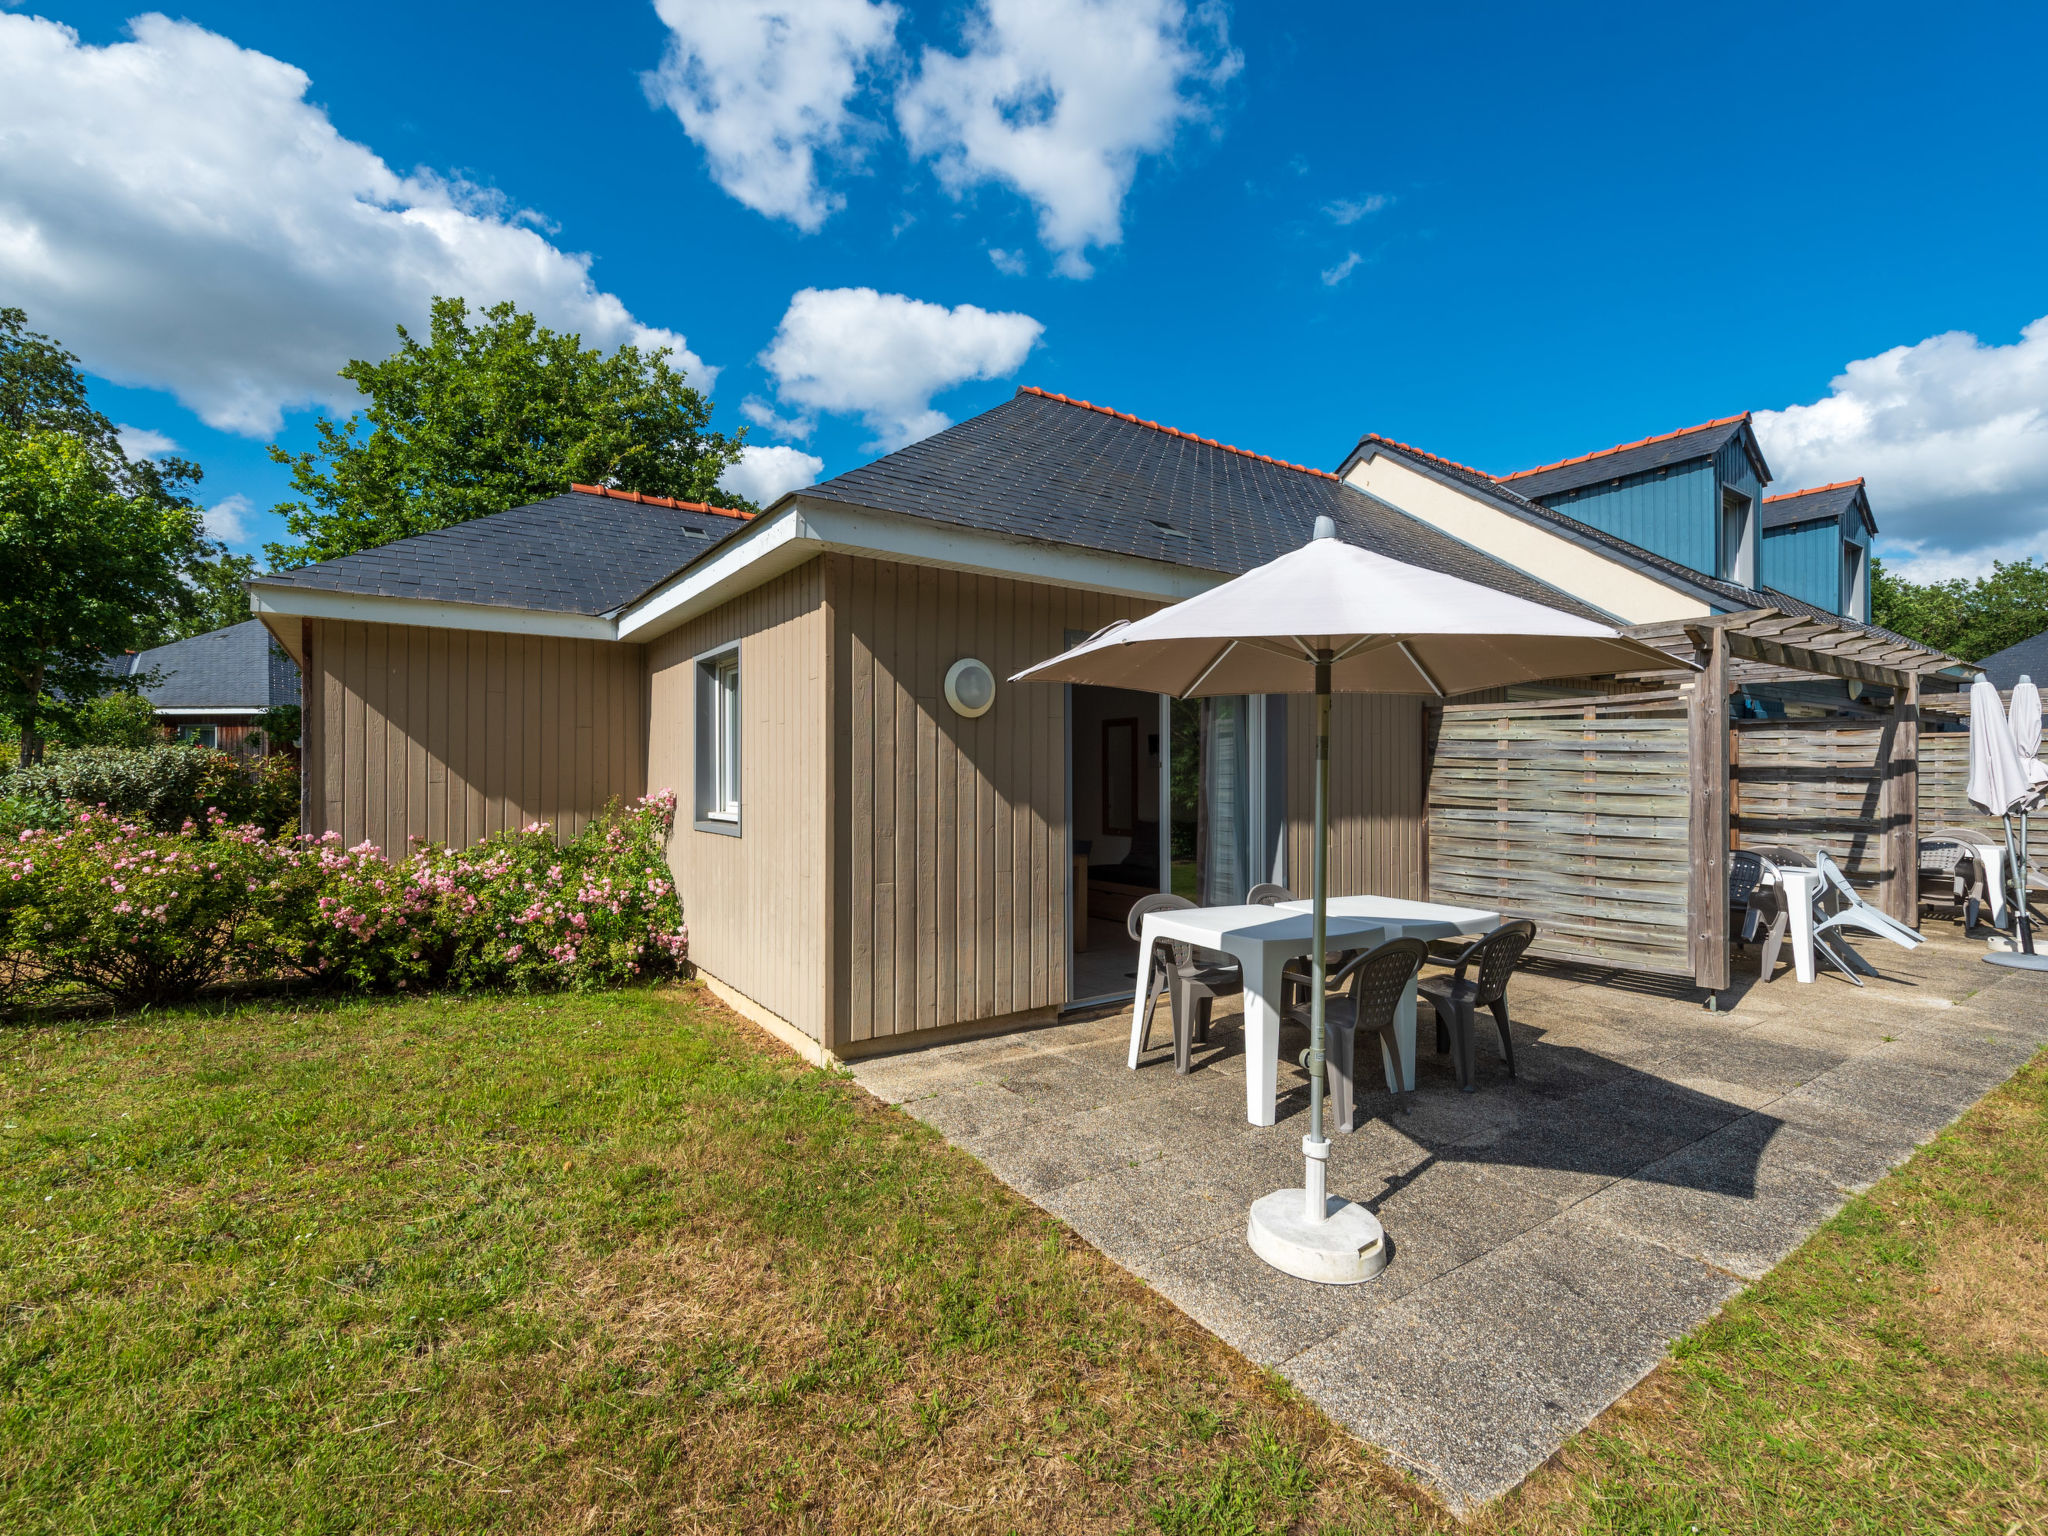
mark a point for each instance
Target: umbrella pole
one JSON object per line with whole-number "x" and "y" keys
{"x": 1316, "y": 1148}
{"x": 1303, "y": 1232}
{"x": 2022, "y": 930}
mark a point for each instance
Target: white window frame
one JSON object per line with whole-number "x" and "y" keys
{"x": 1855, "y": 579}
{"x": 720, "y": 732}
{"x": 1739, "y": 568}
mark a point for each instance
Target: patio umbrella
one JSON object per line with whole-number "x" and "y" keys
{"x": 1331, "y": 617}
{"x": 2025, "y": 714}
{"x": 1999, "y": 783}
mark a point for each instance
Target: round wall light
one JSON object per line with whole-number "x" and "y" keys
{"x": 970, "y": 687}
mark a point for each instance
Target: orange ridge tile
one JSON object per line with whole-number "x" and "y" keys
{"x": 664, "y": 501}
{"x": 1104, "y": 410}
{"x": 1720, "y": 421}
{"x": 1814, "y": 490}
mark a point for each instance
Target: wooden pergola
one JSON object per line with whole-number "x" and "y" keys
{"x": 1720, "y": 653}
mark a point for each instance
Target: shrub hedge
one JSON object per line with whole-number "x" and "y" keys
{"x": 121, "y": 911}
{"x": 161, "y": 787}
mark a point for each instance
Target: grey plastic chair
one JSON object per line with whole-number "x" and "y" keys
{"x": 1267, "y": 894}
{"x": 1191, "y": 979}
{"x": 1376, "y": 980}
{"x": 1457, "y": 1001}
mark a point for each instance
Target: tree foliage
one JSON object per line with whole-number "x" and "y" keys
{"x": 43, "y": 391}
{"x": 1968, "y": 618}
{"x": 83, "y": 563}
{"x": 487, "y": 413}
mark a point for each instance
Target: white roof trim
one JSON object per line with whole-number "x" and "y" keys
{"x": 212, "y": 709}
{"x": 787, "y": 539}
{"x": 425, "y": 613}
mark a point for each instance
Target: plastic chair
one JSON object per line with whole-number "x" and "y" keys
{"x": 1267, "y": 895}
{"x": 1949, "y": 872}
{"x": 1376, "y": 981}
{"x": 1856, "y": 913}
{"x": 1457, "y": 1001}
{"x": 1191, "y": 983}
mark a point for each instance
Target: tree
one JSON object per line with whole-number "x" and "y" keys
{"x": 1967, "y": 618}
{"x": 489, "y": 413}
{"x": 43, "y": 390}
{"x": 83, "y": 563}
{"x": 118, "y": 719}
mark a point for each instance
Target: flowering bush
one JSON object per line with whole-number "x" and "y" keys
{"x": 139, "y": 916}
{"x": 162, "y": 787}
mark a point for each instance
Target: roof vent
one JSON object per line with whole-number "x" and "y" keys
{"x": 1165, "y": 527}
{"x": 1326, "y": 527}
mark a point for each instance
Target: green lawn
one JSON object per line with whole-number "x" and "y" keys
{"x": 617, "y": 1263}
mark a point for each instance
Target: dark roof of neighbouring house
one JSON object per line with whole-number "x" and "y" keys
{"x": 1041, "y": 466}
{"x": 1640, "y": 457}
{"x": 235, "y": 668}
{"x": 587, "y": 551}
{"x": 1821, "y": 501}
{"x": 2029, "y": 658}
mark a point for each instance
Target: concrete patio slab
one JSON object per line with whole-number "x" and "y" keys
{"x": 1550, "y": 1236}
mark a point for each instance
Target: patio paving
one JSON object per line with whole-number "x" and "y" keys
{"x": 1550, "y": 1237}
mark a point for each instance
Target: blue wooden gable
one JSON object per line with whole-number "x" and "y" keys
{"x": 1694, "y": 496}
{"x": 1816, "y": 547}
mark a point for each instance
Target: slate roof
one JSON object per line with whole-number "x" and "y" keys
{"x": 1822, "y": 501}
{"x": 1044, "y": 467}
{"x": 236, "y": 668}
{"x": 584, "y": 551}
{"x": 2027, "y": 659}
{"x": 1669, "y": 448}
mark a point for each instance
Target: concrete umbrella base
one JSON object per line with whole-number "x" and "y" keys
{"x": 1347, "y": 1247}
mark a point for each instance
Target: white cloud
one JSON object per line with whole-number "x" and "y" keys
{"x": 762, "y": 87}
{"x": 224, "y": 519}
{"x": 143, "y": 442}
{"x": 1351, "y": 210}
{"x": 883, "y": 356}
{"x": 763, "y": 474}
{"x": 1009, "y": 263}
{"x": 181, "y": 217}
{"x": 1332, "y": 276}
{"x": 1058, "y": 99}
{"x": 764, "y": 415}
{"x": 1951, "y": 436}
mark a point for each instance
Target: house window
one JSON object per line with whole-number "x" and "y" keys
{"x": 718, "y": 742}
{"x": 1855, "y": 571}
{"x": 207, "y": 736}
{"x": 1735, "y": 561}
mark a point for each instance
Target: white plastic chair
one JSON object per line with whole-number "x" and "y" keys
{"x": 1855, "y": 913}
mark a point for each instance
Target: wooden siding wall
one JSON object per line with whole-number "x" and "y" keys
{"x": 1673, "y": 512}
{"x": 756, "y": 904}
{"x": 1573, "y": 815}
{"x": 951, "y": 833}
{"x": 1377, "y": 774}
{"x": 1815, "y": 784}
{"x": 449, "y": 735}
{"x": 1944, "y": 773}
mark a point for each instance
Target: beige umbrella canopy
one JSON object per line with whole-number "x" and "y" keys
{"x": 1387, "y": 627}
{"x": 1333, "y": 617}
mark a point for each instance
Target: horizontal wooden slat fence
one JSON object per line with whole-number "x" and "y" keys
{"x": 1807, "y": 784}
{"x": 1944, "y": 771}
{"x": 1575, "y": 815}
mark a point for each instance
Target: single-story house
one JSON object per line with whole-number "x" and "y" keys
{"x": 882, "y": 840}
{"x": 2027, "y": 658}
{"x": 210, "y": 688}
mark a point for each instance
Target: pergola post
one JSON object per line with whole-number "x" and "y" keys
{"x": 1901, "y": 836}
{"x": 1708, "y": 741}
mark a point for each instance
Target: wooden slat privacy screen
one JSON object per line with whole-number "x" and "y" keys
{"x": 1574, "y": 816}
{"x": 1808, "y": 784}
{"x": 1944, "y": 771}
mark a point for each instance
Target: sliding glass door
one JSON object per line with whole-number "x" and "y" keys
{"x": 1228, "y": 783}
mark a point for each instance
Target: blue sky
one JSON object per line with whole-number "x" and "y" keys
{"x": 1506, "y": 234}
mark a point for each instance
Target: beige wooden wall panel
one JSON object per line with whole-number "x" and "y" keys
{"x": 1377, "y": 812}
{"x": 451, "y": 735}
{"x": 1815, "y": 784}
{"x": 1577, "y": 818}
{"x": 757, "y": 904}
{"x": 952, "y": 833}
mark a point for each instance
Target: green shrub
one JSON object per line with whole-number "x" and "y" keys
{"x": 117, "y": 719}
{"x": 141, "y": 916}
{"x": 165, "y": 786}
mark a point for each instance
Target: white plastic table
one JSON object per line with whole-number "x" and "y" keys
{"x": 1263, "y": 939}
{"x": 1801, "y": 884}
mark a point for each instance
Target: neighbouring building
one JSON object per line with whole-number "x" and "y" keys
{"x": 211, "y": 688}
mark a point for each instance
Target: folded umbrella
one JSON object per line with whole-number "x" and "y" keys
{"x": 1999, "y": 783}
